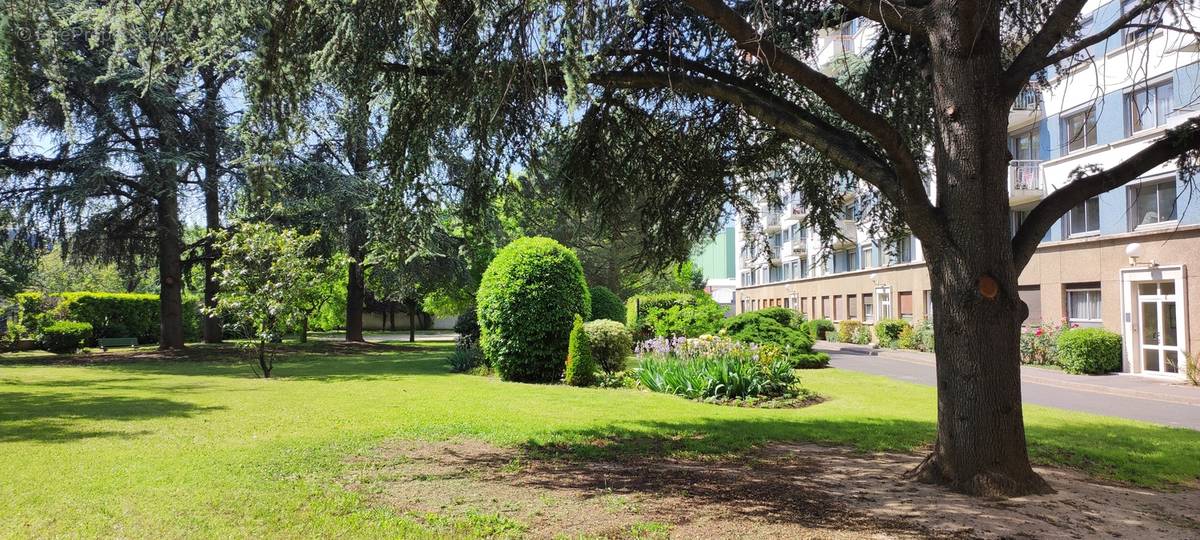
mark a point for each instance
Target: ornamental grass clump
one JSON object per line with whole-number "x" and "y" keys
{"x": 716, "y": 370}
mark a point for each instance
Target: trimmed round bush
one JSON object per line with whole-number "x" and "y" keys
{"x": 814, "y": 360}
{"x": 526, "y": 304}
{"x": 611, "y": 344}
{"x": 606, "y": 305}
{"x": 581, "y": 367}
{"x": 1089, "y": 350}
{"x": 66, "y": 336}
{"x": 754, "y": 327}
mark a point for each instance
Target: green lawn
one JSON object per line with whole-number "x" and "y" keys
{"x": 174, "y": 449}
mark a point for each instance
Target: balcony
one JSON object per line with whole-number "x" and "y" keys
{"x": 847, "y": 234}
{"x": 1026, "y": 107}
{"x": 834, "y": 47}
{"x": 1025, "y": 181}
{"x": 800, "y": 246}
{"x": 770, "y": 221}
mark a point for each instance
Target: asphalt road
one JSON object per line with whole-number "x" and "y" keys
{"x": 1127, "y": 396}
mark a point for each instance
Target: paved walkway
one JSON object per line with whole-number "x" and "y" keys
{"x": 375, "y": 336}
{"x": 1127, "y": 396}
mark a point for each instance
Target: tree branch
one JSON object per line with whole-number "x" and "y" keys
{"x": 1175, "y": 143}
{"x": 1037, "y": 54}
{"x": 894, "y": 15}
{"x": 842, "y": 103}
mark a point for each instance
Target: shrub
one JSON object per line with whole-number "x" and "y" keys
{"x": 784, "y": 316}
{"x": 1192, "y": 369}
{"x": 1089, "y": 350}
{"x": 32, "y": 310}
{"x": 467, "y": 325}
{"x": 466, "y": 356}
{"x": 113, "y": 314}
{"x": 673, "y": 314}
{"x": 1039, "y": 344}
{"x": 813, "y": 360}
{"x": 754, "y": 327}
{"x": 819, "y": 328}
{"x": 527, "y": 300}
{"x": 698, "y": 316}
{"x": 715, "y": 369}
{"x": 851, "y": 331}
{"x": 14, "y": 334}
{"x": 606, "y": 305}
{"x": 907, "y": 339}
{"x": 923, "y": 336}
{"x": 66, "y": 336}
{"x": 888, "y": 331}
{"x": 611, "y": 344}
{"x": 581, "y": 368}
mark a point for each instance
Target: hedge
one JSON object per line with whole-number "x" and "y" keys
{"x": 66, "y": 336}
{"x": 1089, "y": 350}
{"x": 818, "y": 328}
{"x": 526, "y": 304}
{"x": 32, "y": 310}
{"x": 125, "y": 314}
{"x": 606, "y": 305}
{"x": 787, "y": 317}
{"x": 673, "y": 314}
{"x": 580, "y": 367}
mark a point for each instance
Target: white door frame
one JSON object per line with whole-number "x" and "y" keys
{"x": 1130, "y": 336}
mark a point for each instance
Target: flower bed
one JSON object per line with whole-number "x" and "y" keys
{"x": 719, "y": 370}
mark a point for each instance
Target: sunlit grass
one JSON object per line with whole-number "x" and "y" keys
{"x": 179, "y": 448}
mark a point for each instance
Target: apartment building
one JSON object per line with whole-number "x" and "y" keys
{"x": 1118, "y": 261}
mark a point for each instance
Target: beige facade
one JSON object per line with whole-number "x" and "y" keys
{"x": 1149, "y": 303}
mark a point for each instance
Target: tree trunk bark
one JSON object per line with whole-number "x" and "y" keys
{"x": 170, "y": 270}
{"x": 304, "y": 329}
{"x": 980, "y": 447}
{"x": 211, "y": 324}
{"x": 354, "y": 295}
{"x": 412, "y": 325}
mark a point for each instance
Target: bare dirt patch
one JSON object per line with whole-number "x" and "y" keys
{"x": 779, "y": 491}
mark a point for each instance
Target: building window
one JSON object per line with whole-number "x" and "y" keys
{"x": 1018, "y": 217}
{"x": 1142, "y": 25}
{"x": 1032, "y": 296}
{"x": 1153, "y": 203}
{"x": 903, "y": 250}
{"x": 851, "y": 306}
{"x": 868, "y": 304}
{"x": 1024, "y": 145}
{"x": 1079, "y": 130}
{"x": 845, "y": 260}
{"x": 826, "y": 309}
{"x": 1083, "y": 304}
{"x": 1083, "y": 219}
{"x": 906, "y": 305}
{"x": 929, "y": 305}
{"x": 867, "y": 260}
{"x": 837, "y": 302}
{"x": 1148, "y": 108}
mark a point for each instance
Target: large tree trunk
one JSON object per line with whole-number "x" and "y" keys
{"x": 980, "y": 446}
{"x": 211, "y": 330}
{"x": 170, "y": 270}
{"x": 354, "y": 294}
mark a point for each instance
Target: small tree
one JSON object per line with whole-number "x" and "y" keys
{"x": 267, "y": 283}
{"x": 581, "y": 368}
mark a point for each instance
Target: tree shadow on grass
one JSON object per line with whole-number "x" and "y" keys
{"x": 54, "y": 417}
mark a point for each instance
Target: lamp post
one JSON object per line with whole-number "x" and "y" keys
{"x": 1135, "y": 251}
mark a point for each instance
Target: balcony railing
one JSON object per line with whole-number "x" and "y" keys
{"x": 800, "y": 245}
{"x": 1025, "y": 181}
{"x": 848, "y": 234}
{"x": 1027, "y": 100}
{"x": 770, "y": 221}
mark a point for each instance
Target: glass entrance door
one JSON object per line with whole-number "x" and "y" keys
{"x": 1158, "y": 309}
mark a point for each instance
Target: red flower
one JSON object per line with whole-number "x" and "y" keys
{"x": 1039, "y": 331}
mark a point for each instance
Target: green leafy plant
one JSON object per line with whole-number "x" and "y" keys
{"x": 696, "y": 308}
{"x": 466, "y": 356}
{"x": 14, "y": 334}
{"x": 1039, "y": 344}
{"x": 755, "y": 327}
{"x": 32, "y": 310}
{"x": 267, "y": 278}
{"x": 715, "y": 369}
{"x": 888, "y": 331}
{"x": 923, "y": 336}
{"x": 820, "y": 328}
{"x": 467, "y": 325}
{"x": 581, "y": 368}
{"x": 851, "y": 331}
{"x": 1192, "y": 369}
{"x": 611, "y": 344}
{"x": 813, "y": 360}
{"x": 65, "y": 336}
{"x": 787, "y": 317}
{"x": 527, "y": 301}
{"x": 607, "y": 305}
{"x": 1089, "y": 350}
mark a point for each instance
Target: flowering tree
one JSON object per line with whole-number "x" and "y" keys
{"x": 268, "y": 283}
